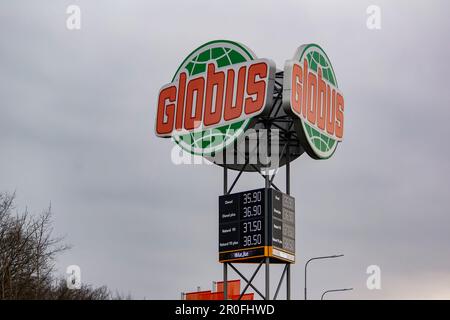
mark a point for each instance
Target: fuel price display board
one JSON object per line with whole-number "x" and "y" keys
{"x": 256, "y": 223}
{"x": 283, "y": 225}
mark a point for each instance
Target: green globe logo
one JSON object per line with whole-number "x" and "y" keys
{"x": 224, "y": 53}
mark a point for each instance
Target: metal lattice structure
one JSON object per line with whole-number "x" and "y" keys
{"x": 290, "y": 149}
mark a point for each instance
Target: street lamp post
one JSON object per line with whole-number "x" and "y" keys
{"x": 318, "y": 258}
{"x": 334, "y": 290}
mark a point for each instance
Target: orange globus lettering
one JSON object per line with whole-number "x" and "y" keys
{"x": 233, "y": 109}
{"x": 321, "y": 101}
{"x": 315, "y": 100}
{"x": 214, "y": 80}
{"x": 166, "y": 108}
{"x": 218, "y": 96}
{"x": 223, "y": 85}
{"x": 339, "y": 131}
{"x": 297, "y": 82}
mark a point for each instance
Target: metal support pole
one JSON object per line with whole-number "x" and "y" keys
{"x": 280, "y": 282}
{"x": 288, "y": 191}
{"x": 286, "y": 135}
{"x": 225, "y": 281}
{"x": 288, "y": 282}
{"x": 225, "y": 179}
{"x": 267, "y": 278}
{"x": 288, "y": 170}
{"x": 249, "y": 282}
{"x": 225, "y": 191}
{"x": 267, "y": 234}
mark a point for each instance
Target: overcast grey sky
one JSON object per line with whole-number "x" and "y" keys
{"x": 77, "y": 111}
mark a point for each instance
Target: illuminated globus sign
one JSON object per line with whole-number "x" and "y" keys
{"x": 221, "y": 90}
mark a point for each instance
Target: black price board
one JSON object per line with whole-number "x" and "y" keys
{"x": 256, "y": 223}
{"x": 242, "y": 220}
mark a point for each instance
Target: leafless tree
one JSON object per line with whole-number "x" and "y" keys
{"x": 27, "y": 257}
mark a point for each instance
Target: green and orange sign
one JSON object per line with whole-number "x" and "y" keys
{"x": 221, "y": 89}
{"x": 311, "y": 93}
{"x": 213, "y": 96}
